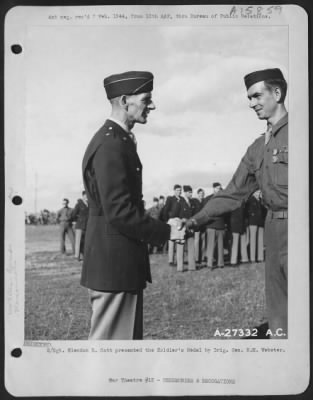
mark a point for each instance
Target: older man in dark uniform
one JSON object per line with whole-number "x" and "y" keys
{"x": 116, "y": 261}
{"x": 264, "y": 167}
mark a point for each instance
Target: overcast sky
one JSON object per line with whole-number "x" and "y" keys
{"x": 202, "y": 124}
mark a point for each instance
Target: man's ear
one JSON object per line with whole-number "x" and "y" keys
{"x": 277, "y": 93}
{"x": 123, "y": 100}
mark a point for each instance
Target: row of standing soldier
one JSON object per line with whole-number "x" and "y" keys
{"x": 237, "y": 231}
{"x": 66, "y": 216}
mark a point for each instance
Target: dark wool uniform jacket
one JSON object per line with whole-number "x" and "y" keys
{"x": 171, "y": 208}
{"x": 185, "y": 210}
{"x": 118, "y": 230}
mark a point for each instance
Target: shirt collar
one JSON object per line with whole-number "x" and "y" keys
{"x": 279, "y": 124}
{"x": 187, "y": 199}
{"x": 123, "y": 126}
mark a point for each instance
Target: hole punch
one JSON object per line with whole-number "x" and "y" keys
{"x": 16, "y": 352}
{"x": 17, "y": 200}
{"x": 16, "y": 48}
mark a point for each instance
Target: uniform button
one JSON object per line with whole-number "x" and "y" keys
{"x": 108, "y": 134}
{"x": 138, "y": 169}
{"x": 110, "y": 127}
{"x": 124, "y": 138}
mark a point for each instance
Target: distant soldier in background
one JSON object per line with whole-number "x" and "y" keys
{"x": 161, "y": 202}
{"x": 64, "y": 219}
{"x": 256, "y": 213}
{"x": 44, "y": 216}
{"x": 215, "y": 234}
{"x": 237, "y": 227}
{"x": 186, "y": 208}
{"x": 200, "y": 236}
{"x": 154, "y": 212}
{"x": 80, "y": 215}
{"x": 170, "y": 210}
{"x": 162, "y": 248}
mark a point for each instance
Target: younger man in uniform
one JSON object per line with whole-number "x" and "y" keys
{"x": 264, "y": 167}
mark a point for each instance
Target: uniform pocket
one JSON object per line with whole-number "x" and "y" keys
{"x": 280, "y": 161}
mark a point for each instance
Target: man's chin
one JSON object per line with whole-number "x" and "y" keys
{"x": 142, "y": 121}
{"x": 260, "y": 116}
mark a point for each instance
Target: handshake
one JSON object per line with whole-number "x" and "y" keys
{"x": 178, "y": 229}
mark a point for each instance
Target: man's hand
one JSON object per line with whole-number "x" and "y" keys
{"x": 177, "y": 230}
{"x": 190, "y": 225}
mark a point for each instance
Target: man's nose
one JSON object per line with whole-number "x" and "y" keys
{"x": 152, "y": 106}
{"x": 252, "y": 103}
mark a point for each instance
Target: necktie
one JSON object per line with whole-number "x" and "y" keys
{"x": 268, "y": 134}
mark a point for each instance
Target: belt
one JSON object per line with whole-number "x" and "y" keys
{"x": 277, "y": 214}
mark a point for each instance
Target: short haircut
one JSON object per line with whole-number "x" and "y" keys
{"x": 177, "y": 186}
{"x": 83, "y": 193}
{"x": 161, "y": 197}
{"x": 271, "y": 84}
{"x": 67, "y": 200}
{"x": 155, "y": 199}
{"x": 200, "y": 190}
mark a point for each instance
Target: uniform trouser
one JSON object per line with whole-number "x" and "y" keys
{"x": 171, "y": 251}
{"x": 256, "y": 243}
{"x": 260, "y": 243}
{"x": 276, "y": 273}
{"x": 211, "y": 233}
{"x": 116, "y": 315}
{"x": 190, "y": 245}
{"x": 78, "y": 239}
{"x": 66, "y": 228}
{"x": 199, "y": 246}
{"x": 235, "y": 245}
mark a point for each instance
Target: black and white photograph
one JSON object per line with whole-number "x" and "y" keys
{"x": 152, "y": 215}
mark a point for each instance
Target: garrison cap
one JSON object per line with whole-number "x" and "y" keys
{"x": 187, "y": 188}
{"x": 216, "y": 184}
{"x": 131, "y": 82}
{"x": 263, "y": 75}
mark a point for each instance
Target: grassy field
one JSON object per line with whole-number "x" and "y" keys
{"x": 189, "y": 305}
